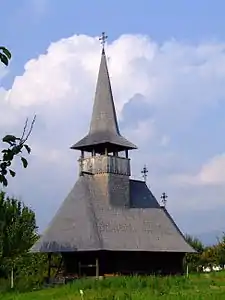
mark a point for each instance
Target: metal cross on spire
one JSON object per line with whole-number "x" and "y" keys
{"x": 144, "y": 172}
{"x": 103, "y": 39}
{"x": 164, "y": 197}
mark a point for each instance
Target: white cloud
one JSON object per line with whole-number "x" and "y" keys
{"x": 144, "y": 131}
{"x": 178, "y": 84}
{"x": 211, "y": 173}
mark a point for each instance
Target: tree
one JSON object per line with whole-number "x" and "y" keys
{"x": 220, "y": 247}
{"x": 195, "y": 243}
{"x": 16, "y": 145}
{"x": 209, "y": 257}
{"x": 194, "y": 260}
{"x": 18, "y": 231}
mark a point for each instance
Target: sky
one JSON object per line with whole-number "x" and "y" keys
{"x": 167, "y": 67}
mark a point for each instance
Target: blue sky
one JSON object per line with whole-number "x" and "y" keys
{"x": 30, "y": 27}
{"x": 176, "y": 53}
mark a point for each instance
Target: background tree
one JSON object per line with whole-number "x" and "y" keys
{"x": 15, "y": 145}
{"x": 194, "y": 260}
{"x": 220, "y": 251}
{"x": 18, "y": 231}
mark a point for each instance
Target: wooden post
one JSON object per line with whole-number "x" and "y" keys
{"x": 12, "y": 279}
{"x": 97, "y": 268}
{"x": 49, "y": 266}
{"x": 79, "y": 269}
{"x": 187, "y": 271}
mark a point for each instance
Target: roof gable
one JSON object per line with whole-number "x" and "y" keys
{"x": 86, "y": 223}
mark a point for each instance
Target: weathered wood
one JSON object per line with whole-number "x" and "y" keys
{"x": 12, "y": 279}
{"x": 105, "y": 164}
{"x": 97, "y": 268}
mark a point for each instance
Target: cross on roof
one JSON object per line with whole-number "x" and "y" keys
{"x": 144, "y": 172}
{"x": 103, "y": 39}
{"x": 164, "y": 197}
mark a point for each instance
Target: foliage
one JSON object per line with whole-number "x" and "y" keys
{"x": 195, "y": 287}
{"x": 16, "y": 145}
{"x": 17, "y": 231}
{"x": 221, "y": 251}
{"x": 5, "y": 55}
{"x": 195, "y": 243}
{"x": 194, "y": 260}
{"x": 205, "y": 256}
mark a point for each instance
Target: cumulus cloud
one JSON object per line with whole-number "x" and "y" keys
{"x": 167, "y": 95}
{"x": 211, "y": 173}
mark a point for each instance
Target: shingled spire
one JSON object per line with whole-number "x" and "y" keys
{"x": 104, "y": 128}
{"x": 104, "y": 113}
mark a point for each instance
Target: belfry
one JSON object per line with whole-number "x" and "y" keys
{"x": 109, "y": 223}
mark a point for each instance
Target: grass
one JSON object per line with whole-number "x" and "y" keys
{"x": 203, "y": 286}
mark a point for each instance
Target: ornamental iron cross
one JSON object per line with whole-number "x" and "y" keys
{"x": 103, "y": 39}
{"x": 164, "y": 197}
{"x": 144, "y": 172}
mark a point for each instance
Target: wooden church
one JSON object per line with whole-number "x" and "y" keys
{"x": 109, "y": 223}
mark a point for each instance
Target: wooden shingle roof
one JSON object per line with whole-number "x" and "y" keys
{"x": 104, "y": 126}
{"x": 85, "y": 222}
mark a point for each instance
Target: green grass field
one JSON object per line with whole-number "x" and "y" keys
{"x": 196, "y": 287}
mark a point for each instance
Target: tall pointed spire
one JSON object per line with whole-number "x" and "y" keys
{"x": 104, "y": 127}
{"x": 104, "y": 113}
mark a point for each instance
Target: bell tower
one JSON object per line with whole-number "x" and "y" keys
{"x": 104, "y": 151}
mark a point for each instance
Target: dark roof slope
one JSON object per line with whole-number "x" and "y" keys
{"x": 85, "y": 222}
{"x": 104, "y": 126}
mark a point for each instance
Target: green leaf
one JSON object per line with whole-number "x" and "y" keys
{"x": 3, "y": 180}
{"x": 3, "y": 165}
{"x": 4, "y": 59}
{"x": 4, "y": 172}
{"x": 6, "y": 52}
{"x": 17, "y": 149}
{"x": 10, "y": 139}
{"x": 12, "y": 173}
{"x": 8, "y": 155}
{"x": 8, "y": 163}
{"x": 24, "y": 161}
{"x": 28, "y": 149}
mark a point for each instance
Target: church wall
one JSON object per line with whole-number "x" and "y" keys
{"x": 115, "y": 188}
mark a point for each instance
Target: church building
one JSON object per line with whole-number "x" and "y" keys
{"x": 109, "y": 223}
